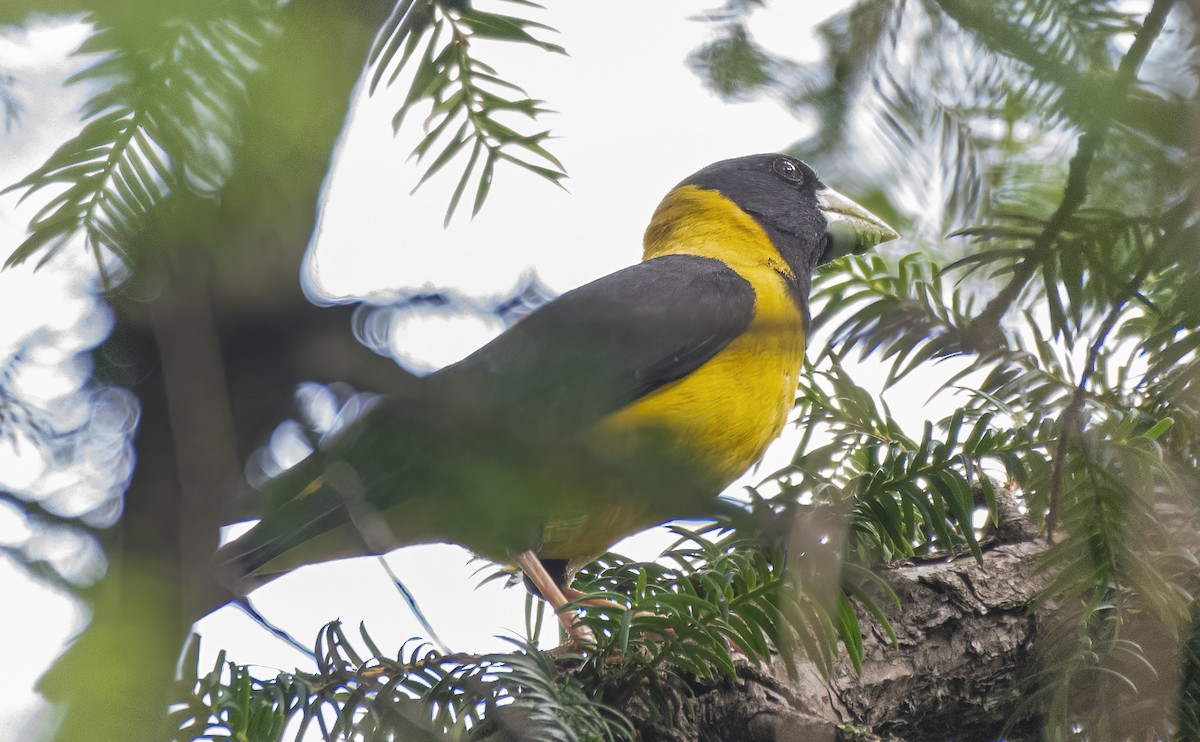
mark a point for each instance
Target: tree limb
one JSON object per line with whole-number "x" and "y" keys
{"x": 965, "y": 639}
{"x": 981, "y": 334}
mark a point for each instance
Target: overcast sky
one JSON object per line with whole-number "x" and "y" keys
{"x": 53, "y": 315}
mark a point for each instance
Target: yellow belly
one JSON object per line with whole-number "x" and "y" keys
{"x": 724, "y": 414}
{"x": 719, "y": 419}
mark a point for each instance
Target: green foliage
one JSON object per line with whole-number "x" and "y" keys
{"x": 734, "y": 65}
{"x": 343, "y": 699}
{"x": 1051, "y": 136}
{"x": 469, "y": 101}
{"x": 908, "y": 495}
{"x": 1084, "y": 430}
{"x": 704, "y": 595}
{"x": 166, "y": 120}
{"x": 903, "y": 312}
{"x": 661, "y": 628}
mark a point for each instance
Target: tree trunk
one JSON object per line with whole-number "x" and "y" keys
{"x": 222, "y": 277}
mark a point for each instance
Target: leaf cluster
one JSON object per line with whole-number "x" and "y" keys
{"x": 343, "y": 700}
{"x": 714, "y": 590}
{"x": 1047, "y": 138}
{"x": 171, "y": 103}
{"x": 471, "y": 106}
{"x": 165, "y": 122}
{"x": 662, "y": 629}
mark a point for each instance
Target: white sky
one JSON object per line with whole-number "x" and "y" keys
{"x": 53, "y": 300}
{"x": 632, "y": 122}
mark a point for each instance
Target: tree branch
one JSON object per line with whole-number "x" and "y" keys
{"x": 1070, "y": 421}
{"x": 1146, "y": 113}
{"x": 982, "y": 332}
{"x": 964, "y": 639}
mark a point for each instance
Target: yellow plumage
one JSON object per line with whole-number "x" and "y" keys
{"x": 728, "y": 410}
{"x": 724, "y": 414}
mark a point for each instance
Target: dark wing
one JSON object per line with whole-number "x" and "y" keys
{"x": 584, "y": 355}
{"x": 604, "y": 345}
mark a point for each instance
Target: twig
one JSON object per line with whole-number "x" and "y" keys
{"x": 411, "y": 601}
{"x": 1070, "y": 421}
{"x": 982, "y": 331}
{"x": 279, "y": 633}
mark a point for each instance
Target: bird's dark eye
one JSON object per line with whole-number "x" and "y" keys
{"x": 788, "y": 170}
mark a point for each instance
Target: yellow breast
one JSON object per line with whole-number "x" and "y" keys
{"x": 726, "y": 412}
{"x": 722, "y": 416}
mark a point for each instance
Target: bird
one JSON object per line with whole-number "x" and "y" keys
{"x": 628, "y": 402}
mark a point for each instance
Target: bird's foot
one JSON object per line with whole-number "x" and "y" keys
{"x": 579, "y": 636}
{"x": 574, "y": 595}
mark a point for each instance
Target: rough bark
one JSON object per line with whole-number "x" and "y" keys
{"x": 965, "y": 637}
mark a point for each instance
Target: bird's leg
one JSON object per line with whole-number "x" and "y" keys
{"x": 572, "y": 594}
{"x": 529, "y": 563}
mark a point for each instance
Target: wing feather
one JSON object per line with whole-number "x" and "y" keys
{"x": 598, "y": 348}
{"x": 425, "y": 462}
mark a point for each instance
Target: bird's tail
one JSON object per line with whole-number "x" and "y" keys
{"x": 313, "y": 523}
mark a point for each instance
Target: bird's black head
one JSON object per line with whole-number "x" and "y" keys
{"x": 808, "y": 222}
